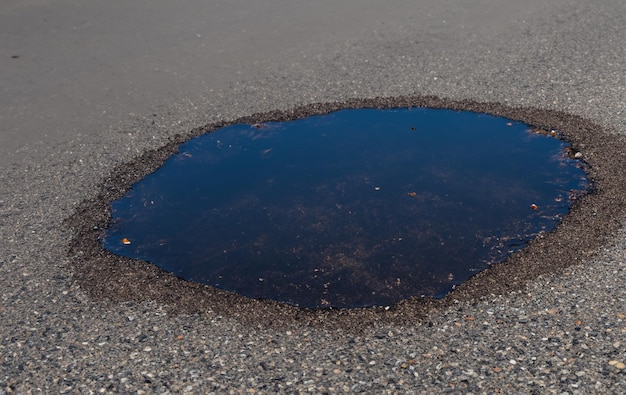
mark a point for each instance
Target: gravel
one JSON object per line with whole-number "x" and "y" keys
{"x": 75, "y": 320}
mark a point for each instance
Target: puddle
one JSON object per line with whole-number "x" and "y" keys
{"x": 357, "y": 208}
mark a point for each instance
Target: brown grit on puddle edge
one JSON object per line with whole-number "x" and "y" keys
{"x": 592, "y": 222}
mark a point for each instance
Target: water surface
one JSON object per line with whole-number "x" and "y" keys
{"x": 355, "y": 208}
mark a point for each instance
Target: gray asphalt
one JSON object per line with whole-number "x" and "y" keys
{"x": 87, "y": 86}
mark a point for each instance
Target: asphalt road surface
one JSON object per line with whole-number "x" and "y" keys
{"x": 87, "y": 86}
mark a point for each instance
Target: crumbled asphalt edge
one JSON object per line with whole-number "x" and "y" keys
{"x": 592, "y": 221}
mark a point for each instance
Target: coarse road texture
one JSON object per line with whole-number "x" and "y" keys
{"x": 87, "y": 87}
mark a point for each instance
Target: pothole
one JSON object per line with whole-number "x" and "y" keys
{"x": 356, "y": 208}
{"x": 591, "y": 222}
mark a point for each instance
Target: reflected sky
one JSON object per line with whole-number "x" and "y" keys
{"x": 351, "y": 209}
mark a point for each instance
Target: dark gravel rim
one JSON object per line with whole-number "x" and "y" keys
{"x": 591, "y": 223}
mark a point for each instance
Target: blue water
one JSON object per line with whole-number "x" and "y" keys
{"x": 355, "y": 208}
